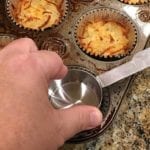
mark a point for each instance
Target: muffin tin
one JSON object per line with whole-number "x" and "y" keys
{"x": 58, "y": 45}
{"x": 6, "y": 39}
{"x": 67, "y": 47}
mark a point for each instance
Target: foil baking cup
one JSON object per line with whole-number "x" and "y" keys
{"x": 12, "y": 7}
{"x": 107, "y": 15}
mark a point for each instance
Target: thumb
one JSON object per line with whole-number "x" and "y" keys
{"x": 79, "y": 118}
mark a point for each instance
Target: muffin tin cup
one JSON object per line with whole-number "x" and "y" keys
{"x": 107, "y": 14}
{"x": 140, "y": 2}
{"x": 5, "y": 39}
{"x": 10, "y": 6}
{"x": 58, "y": 45}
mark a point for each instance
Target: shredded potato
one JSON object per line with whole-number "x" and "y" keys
{"x": 103, "y": 38}
{"x": 38, "y": 14}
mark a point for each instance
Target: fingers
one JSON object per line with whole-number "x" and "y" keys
{"x": 52, "y": 65}
{"x": 22, "y": 45}
{"x": 79, "y": 118}
{"x": 50, "y": 62}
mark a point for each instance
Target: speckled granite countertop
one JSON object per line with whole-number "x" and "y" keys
{"x": 131, "y": 128}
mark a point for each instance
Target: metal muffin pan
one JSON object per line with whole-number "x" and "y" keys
{"x": 6, "y": 39}
{"x": 72, "y": 54}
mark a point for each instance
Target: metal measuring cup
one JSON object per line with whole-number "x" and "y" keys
{"x": 81, "y": 86}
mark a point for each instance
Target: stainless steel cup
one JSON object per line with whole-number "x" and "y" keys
{"x": 80, "y": 86}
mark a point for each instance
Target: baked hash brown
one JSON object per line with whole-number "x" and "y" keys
{"x": 37, "y": 14}
{"x": 135, "y": 1}
{"x": 103, "y": 38}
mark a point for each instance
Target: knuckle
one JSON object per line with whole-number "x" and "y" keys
{"x": 57, "y": 60}
{"x": 18, "y": 59}
{"x": 22, "y": 61}
{"x": 56, "y": 56}
{"x": 28, "y": 40}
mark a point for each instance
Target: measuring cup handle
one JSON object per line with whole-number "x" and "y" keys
{"x": 140, "y": 61}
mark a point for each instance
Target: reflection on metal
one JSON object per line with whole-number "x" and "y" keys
{"x": 144, "y": 15}
{"x": 55, "y": 44}
{"x": 78, "y": 86}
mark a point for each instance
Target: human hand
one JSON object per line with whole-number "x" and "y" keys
{"x": 27, "y": 119}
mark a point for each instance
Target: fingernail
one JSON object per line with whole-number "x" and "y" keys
{"x": 95, "y": 118}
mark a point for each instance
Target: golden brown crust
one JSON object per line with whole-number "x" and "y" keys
{"x": 135, "y": 1}
{"x": 37, "y": 14}
{"x": 103, "y": 38}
